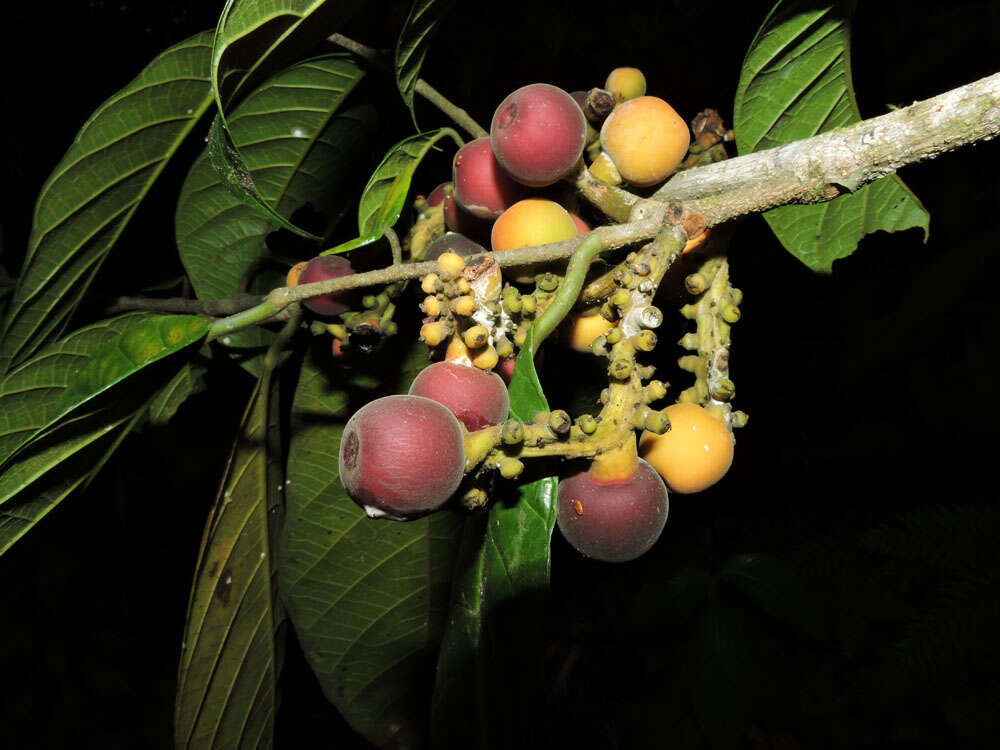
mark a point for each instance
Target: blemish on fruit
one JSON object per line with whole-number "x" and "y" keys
{"x": 578, "y": 507}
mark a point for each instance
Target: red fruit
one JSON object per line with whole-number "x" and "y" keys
{"x": 457, "y": 219}
{"x": 322, "y": 268}
{"x": 476, "y": 397}
{"x": 613, "y": 521}
{"x": 437, "y": 194}
{"x": 538, "y": 134}
{"x": 401, "y": 456}
{"x": 481, "y": 186}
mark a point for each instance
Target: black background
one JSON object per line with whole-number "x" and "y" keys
{"x": 871, "y": 392}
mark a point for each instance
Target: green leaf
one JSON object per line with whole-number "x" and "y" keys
{"x": 59, "y": 454}
{"x": 93, "y": 192}
{"x": 188, "y": 381}
{"x": 384, "y": 196}
{"x": 796, "y": 83}
{"x": 230, "y": 658}
{"x": 302, "y": 150}
{"x": 490, "y": 665}
{"x": 368, "y": 598}
{"x": 414, "y": 42}
{"x": 777, "y": 590}
{"x": 255, "y": 36}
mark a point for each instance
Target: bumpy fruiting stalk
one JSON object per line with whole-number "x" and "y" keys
{"x": 714, "y": 313}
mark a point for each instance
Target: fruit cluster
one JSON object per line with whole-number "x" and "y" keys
{"x": 404, "y": 456}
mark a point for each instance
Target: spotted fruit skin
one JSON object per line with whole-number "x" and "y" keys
{"x": 401, "y": 456}
{"x": 538, "y": 134}
{"x": 478, "y": 398}
{"x": 614, "y": 521}
{"x": 695, "y": 453}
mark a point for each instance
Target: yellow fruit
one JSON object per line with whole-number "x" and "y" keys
{"x": 580, "y": 332}
{"x": 533, "y": 221}
{"x": 626, "y": 83}
{"x": 646, "y": 139}
{"x": 694, "y": 454}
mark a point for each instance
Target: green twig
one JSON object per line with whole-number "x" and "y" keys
{"x": 397, "y": 250}
{"x": 569, "y": 289}
{"x": 254, "y": 316}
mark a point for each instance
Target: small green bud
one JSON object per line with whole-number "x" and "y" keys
{"x": 608, "y": 312}
{"x": 520, "y": 336}
{"x": 641, "y": 269}
{"x": 695, "y": 283}
{"x": 689, "y": 311}
{"x": 689, "y": 362}
{"x": 689, "y": 341}
{"x": 621, "y": 298}
{"x": 645, "y": 341}
{"x": 528, "y": 304}
{"x": 605, "y": 396}
{"x": 657, "y": 422}
{"x": 599, "y": 347}
{"x": 735, "y": 296}
{"x": 723, "y": 390}
{"x": 730, "y": 313}
{"x": 512, "y": 432}
{"x": 559, "y": 422}
{"x": 621, "y": 369}
{"x": 587, "y": 424}
{"x": 548, "y": 282}
{"x": 369, "y": 300}
{"x": 512, "y": 305}
{"x": 474, "y": 498}
{"x": 613, "y": 336}
{"x": 391, "y": 328}
{"x": 689, "y": 396}
{"x": 504, "y": 348}
{"x": 655, "y": 390}
{"x": 740, "y": 419}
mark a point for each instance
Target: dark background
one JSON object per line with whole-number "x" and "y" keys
{"x": 867, "y": 466}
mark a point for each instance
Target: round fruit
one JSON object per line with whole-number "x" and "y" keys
{"x": 646, "y": 139}
{"x": 538, "y": 133}
{"x": 437, "y": 194}
{"x": 581, "y": 331}
{"x": 695, "y": 453}
{"x": 452, "y": 242}
{"x": 482, "y": 187}
{"x": 626, "y": 83}
{"x": 613, "y": 521}
{"x": 476, "y": 397}
{"x": 533, "y": 221}
{"x": 582, "y": 227}
{"x": 322, "y": 268}
{"x": 401, "y": 456}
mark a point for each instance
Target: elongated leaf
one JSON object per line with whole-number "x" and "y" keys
{"x": 93, "y": 192}
{"x": 414, "y": 42}
{"x": 385, "y": 194}
{"x": 302, "y": 150}
{"x": 227, "y": 681}
{"x": 490, "y": 665}
{"x": 79, "y": 459}
{"x": 795, "y": 83}
{"x": 31, "y": 396}
{"x": 777, "y": 590}
{"x": 254, "y": 37}
{"x": 188, "y": 381}
{"x": 368, "y": 598}
{"x": 59, "y": 454}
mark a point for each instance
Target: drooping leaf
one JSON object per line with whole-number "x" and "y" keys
{"x": 796, "y": 83}
{"x": 302, "y": 150}
{"x": 93, "y": 192}
{"x": 59, "y": 446}
{"x": 34, "y": 395}
{"x": 230, "y": 657}
{"x": 188, "y": 381}
{"x": 368, "y": 598}
{"x": 255, "y": 37}
{"x": 384, "y": 196}
{"x": 414, "y": 42}
{"x": 490, "y": 665}
{"x": 777, "y": 590}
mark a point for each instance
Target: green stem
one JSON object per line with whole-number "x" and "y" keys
{"x": 254, "y": 316}
{"x": 397, "y": 250}
{"x": 569, "y": 289}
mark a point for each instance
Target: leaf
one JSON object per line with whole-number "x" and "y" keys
{"x": 57, "y": 454}
{"x": 227, "y": 680}
{"x": 385, "y": 194}
{"x": 368, "y": 598}
{"x": 188, "y": 381}
{"x": 414, "y": 42}
{"x": 796, "y": 83}
{"x": 93, "y": 192}
{"x": 490, "y": 665}
{"x": 777, "y": 590}
{"x": 302, "y": 150}
{"x": 254, "y": 36}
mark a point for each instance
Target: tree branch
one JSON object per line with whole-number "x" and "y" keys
{"x": 458, "y": 115}
{"x": 213, "y": 307}
{"x": 813, "y": 170}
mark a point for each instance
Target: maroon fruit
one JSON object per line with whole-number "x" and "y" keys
{"x": 322, "y": 268}
{"x": 476, "y": 397}
{"x": 481, "y": 186}
{"x": 401, "y": 456}
{"x": 437, "y": 194}
{"x": 538, "y": 134}
{"x": 613, "y": 521}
